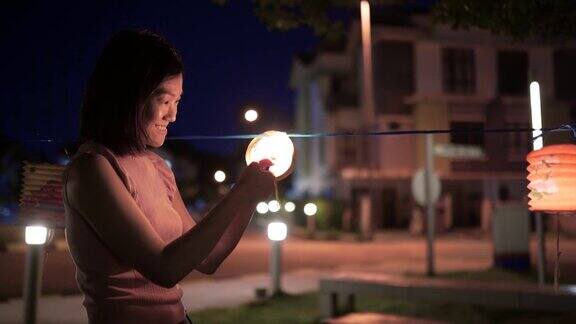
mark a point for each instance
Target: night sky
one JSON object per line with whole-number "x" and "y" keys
{"x": 49, "y": 49}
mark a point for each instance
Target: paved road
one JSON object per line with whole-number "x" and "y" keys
{"x": 394, "y": 252}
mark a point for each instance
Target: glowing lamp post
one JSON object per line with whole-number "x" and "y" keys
{"x": 552, "y": 176}
{"x": 277, "y": 232}
{"x": 35, "y": 237}
{"x": 310, "y": 210}
{"x": 536, "y": 117}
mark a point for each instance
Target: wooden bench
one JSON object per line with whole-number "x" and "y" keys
{"x": 337, "y": 292}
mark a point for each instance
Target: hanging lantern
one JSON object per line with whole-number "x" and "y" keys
{"x": 275, "y": 146}
{"x": 552, "y": 176}
{"x": 41, "y": 195}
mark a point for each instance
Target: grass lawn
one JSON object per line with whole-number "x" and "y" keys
{"x": 304, "y": 308}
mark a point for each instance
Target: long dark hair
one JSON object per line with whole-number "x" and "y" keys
{"x": 129, "y": 69}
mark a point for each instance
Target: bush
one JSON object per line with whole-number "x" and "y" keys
{"x": 328, "y": 216}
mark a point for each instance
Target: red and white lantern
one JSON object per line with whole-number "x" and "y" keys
{"x": 552, "y": 176}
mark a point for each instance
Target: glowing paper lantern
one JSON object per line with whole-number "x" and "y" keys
{"x": 275, "y": 146}
{"x": 41, "y": 195}
{"x": 552, "y": 176}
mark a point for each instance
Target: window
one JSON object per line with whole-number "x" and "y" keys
{"x": 519, "y": 142}
{"x": 512, "y": 73}
{"x": 459, "y": 71}
{"x": 471, "y": 133}
{"x": 564, "y": 68}
{"x": 346, "y": 151}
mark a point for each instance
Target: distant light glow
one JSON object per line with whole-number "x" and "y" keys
{"x": 251, "y": 115}
{"x": 273, "y": 206}
{"x": 219, "y": 176}
{"x": 536, "y": 112}
{"x": 36, "y": 235}
{"x": 289, "y": 207}
{"x": 262, "y": 207}
{"x": 168, "y": 163}
{"x": 277, "y": 231}
{"x": 275, "y": 146}
{"x": 310, "y": 209}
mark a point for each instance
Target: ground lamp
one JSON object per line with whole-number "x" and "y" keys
{"x": 277, "y": 232}
{"x": 310, "y": 210}
{"x": 41, "y": 209}
{"x": 552, "y": 182}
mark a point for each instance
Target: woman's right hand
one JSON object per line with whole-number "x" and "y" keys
{"x": 256, "y": 182}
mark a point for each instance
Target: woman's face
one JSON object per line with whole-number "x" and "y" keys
{"x": 161, "y": 109}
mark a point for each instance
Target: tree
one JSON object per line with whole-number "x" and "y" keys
{"x": 549, "y": 19}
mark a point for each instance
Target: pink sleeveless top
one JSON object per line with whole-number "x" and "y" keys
{"x": 113, "y": 291}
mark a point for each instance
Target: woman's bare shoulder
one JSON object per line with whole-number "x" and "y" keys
{"x": 87, "y": 173}
{"x": 87, "y": 164}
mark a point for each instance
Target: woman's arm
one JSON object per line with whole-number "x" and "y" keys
{"x": 229, "y": 239}
{"x": 96, "y": 191}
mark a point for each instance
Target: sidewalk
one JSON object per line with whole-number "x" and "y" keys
{"x": 198, "y": 295}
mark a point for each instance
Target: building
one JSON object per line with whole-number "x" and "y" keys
{"x": 425, "y": 77}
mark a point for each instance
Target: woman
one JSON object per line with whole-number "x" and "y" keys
{"x": 128, "y": 230}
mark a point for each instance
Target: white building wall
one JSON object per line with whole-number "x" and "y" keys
{"x": 428, "y": 69}
{"x": 486, "y": 72}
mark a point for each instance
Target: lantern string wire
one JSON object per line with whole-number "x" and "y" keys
{"x": 562, "y": 128}
{"x": 557, "y": 263}
{"x": 276, "y": 190}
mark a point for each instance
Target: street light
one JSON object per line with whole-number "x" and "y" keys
{"x": 536, "y": 117}
{"x": 273, "y": 206}
{"x": 219, "y": 176}
{"x": 251, "y": 115}
{"x": 35, "y": 237}
{"x": 277, "y": 232}
{"x": 536, "y": 114}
